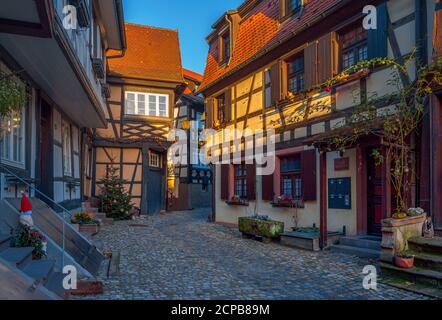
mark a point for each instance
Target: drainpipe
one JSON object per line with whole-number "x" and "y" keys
{"x": 122, "y": 32}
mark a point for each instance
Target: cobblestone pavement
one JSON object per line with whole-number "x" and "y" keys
{"x": 181, "y": 256}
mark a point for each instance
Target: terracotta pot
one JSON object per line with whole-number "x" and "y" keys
{"x": 404, "y": 262}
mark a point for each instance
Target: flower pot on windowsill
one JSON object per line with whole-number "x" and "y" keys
{"x": 237, "y": 201}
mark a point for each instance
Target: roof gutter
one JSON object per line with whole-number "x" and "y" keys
{"x": 120, "y": 13}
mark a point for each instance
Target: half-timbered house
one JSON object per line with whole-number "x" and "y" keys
{"x": 190, "y": 185}
{"x": 61, "y": 61}
{"x": 262, "y": 56}
{"x": 139, "y": 115}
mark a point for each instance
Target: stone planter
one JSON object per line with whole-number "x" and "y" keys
{"x": 395, "y": 235}
{"x": 89, "y": 229}
{"x": 267, "y": 229}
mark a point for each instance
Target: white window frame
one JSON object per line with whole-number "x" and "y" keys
{"x": 146, "y": 102}
{"x": 10, "y": 160}
{"x": 154, "y": 160}
{"x": 67, "y": 149}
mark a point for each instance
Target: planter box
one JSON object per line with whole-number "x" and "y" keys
{"x": 76, "y": 227}
{"x": 395, "y": 235}
{"x": 89, "y": 229}
{"x": 266, "y": 229}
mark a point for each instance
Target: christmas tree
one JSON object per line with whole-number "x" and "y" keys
{"x": 115, "y": 201}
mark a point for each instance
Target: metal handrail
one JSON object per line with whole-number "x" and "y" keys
{"x": 31, "y": 187}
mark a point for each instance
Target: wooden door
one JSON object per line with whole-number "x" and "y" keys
{"x": 375, "y": 192}
{"x": 154, "y": 183}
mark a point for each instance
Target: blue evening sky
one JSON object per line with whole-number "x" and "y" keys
{"x": 193, "y": 20}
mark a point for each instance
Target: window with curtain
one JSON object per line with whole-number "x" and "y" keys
{"x": 147, "y": 104}
{"x": 13, "y": 138}
{"x": 240, "y": 181}
{"x": 291, "y": 182}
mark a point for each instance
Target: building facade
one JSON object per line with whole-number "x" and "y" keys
{"x": 143, "y": 91}
{"x": 62, "y": 64}
{"x": 190, "y": 184}
{"x": 266, "y": 61}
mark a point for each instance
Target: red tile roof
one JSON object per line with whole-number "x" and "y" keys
{"x": 259, "y": 31}
{"x": 192, "y": 75}
{"x": 152, "y": 54}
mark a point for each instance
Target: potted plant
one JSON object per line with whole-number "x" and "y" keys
{"x": 284, "y": 199}
{"x": 86, "y": 223}
{"x": 404, "y": 260}
{"x": 27, "y": 237}
{"x": 237, "y": 201}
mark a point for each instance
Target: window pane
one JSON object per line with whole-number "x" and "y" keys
{"x": 152, "y": 105}
{"x": 141, "y": 104}
{"x": 349, "y": 59}
{"x": 298, "y": 188}
{"x": 163, "y": 106}
{"x": 363, "y": 53}
{"x": 287, "y": 187}
{"x": 130, "y": 103}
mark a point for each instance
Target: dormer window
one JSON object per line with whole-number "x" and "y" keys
{"x": 293, "y": 5}
{"x": 289, "y": 7}
{"x": 225, "y": 47}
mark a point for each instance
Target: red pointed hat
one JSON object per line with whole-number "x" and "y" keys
{"x": 25, "y": 205}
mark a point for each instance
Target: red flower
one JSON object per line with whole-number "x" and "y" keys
{"x": 328, "y": 89}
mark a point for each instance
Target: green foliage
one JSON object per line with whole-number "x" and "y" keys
{"x": 115, "y": 201}
{"x": 12, "y": 94}
{"x": 26, "y": 237}
{"x": 83, "y": 218}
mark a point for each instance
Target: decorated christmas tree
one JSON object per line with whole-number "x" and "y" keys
{"x": 115, "y": 201}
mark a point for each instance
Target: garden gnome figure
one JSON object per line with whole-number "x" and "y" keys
{"x": 428, "y": 229}
{"x": 26, "y": 211}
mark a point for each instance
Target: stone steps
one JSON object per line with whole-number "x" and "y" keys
{"x": 428, "y": 261}
{"x": 356, "y": 251}
{"x": 5, "y": 241}
{"x": 426, "y": 245}
{"x": 55, "y": 284}
{"x": 39, "y": 270}
{"x": 17, "y": 256}
{"x": 361, "y": 242}
{"x": 415, "y": 275}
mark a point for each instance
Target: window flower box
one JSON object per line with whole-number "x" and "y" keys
{"x": 260, "y": 227}
{"x": 286, "y": 202}
{"x": 237, "y": 201}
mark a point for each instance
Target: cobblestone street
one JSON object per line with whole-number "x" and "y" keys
{"x": 181, "y": 256}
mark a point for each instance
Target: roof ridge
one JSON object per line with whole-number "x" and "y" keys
{"x": 149, "y": 26}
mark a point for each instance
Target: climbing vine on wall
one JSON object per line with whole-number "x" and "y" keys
{"x": 12, "y": 94}
{"x": 396, "y": 125}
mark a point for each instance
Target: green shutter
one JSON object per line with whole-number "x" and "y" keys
{"x": 377, "y": 38}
